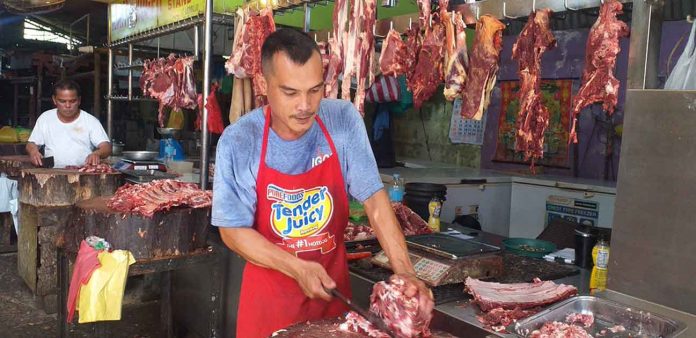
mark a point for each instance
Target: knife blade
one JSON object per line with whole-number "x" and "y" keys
{"x": 369, "y": 316}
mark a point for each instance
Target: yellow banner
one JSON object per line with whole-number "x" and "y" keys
{"x": 176, "y": 10}
{"x": 129, "y": 17}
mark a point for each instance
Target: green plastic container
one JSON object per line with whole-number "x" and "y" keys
{"x": 529, "y": 247}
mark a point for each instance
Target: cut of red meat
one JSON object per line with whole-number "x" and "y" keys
{"x": 159, "y": 195}
{"x": 411, "y": 223}
{"x": 428, "y": 70}
{"x": 358, "y": 232}
{"x": 502, "y": 317}
{"x": 483, "y": 67}
{"x": 560, "y": 330}
{"x": 336, "y": 48}
{"x": 585, "y": 320}
{"x": 359, "y": 51}
{"x": 394, "y": 58}
{"x": 598, "y": 81}
{"x": 458, "y": 64}
{"x": 533, "y": 115}
{"x": 399, "y": 312}
{"x": 170, "y": 80}
{"x": 489, "y": 295}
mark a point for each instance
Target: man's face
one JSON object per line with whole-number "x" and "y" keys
{"x": 294, "y": 93}
{"x": 67, "y": 102}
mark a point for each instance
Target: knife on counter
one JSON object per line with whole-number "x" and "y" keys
{"x": 371, "y": 317}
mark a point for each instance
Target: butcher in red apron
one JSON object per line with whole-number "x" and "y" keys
{"x": 295, "y": 248}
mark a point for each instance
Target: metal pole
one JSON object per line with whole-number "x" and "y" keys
{"x": 97, "y": 84}
{"x": 307, "y": 17}
{"x": 196, "y": 43}
{"x": 207, "y": 51}
{"x": 109, "y": 93}
{"x": 646, "y": 34}
{"x": 130, "y": 71}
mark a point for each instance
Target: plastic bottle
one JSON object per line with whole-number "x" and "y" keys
{"x": 600, "y": 258}
{"x": 396, "y": 190}
{"x": 434, "y": 208}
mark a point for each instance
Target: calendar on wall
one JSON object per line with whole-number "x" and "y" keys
{"x": 465, "y": 130}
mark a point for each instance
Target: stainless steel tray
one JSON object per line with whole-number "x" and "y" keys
{"x": 638, "y": 323}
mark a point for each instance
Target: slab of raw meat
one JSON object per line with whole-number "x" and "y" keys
{"x": 394, "y": 58}
{"x": 336, "y": 45}
{"x": 399, "y": 312}
{"x": 533, "y": 115}
{"x": 458, "y": 65}
{"x": 560, "y": 330}
{"x": 483, "y": 67}
{"x": 497, "y": 319}
{"x": 159, "y": 195}
{"x": 411, "y": 223}
{"x": 489, "y": 295}
{"x": 428, "y": 72}
{"x": 359, "y": 51}
{"x": 598, "y": 81}
{"x": 171, "y": 81}
{"x": 358, "y": 232}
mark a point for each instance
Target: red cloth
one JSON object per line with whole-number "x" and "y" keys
{"x": 306, "y": 215}
{"x": 86, "y": 262}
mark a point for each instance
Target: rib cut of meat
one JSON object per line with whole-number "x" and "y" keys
{"x": 428, "y": 72}
{"x": 336, "y": 48}
{"x": 497, "y": 319}
{"x": 533, "y": 115}
{"x": 359, "y": 51}
{"x": 170, "y": 80}
{"x": 394, "y": 60}
{"x": 399, "y": 312}
{"x": 458, "y": 64}
{"x": 489, "y": 295}
{"x": 245, "y": 61}
{"x": 598, "y": 81}
{"x": 411, "y": 223}
{"x": 483, "y": 67}
{"x": 159, "y": 195}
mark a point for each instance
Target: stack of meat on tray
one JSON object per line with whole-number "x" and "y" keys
{"x": 411, "y": 224}
{"x": 503, "y": 304}
{"x": 160, "y": 195}
{"x": 171, "y": 81}
{"x": 101, "y": 168}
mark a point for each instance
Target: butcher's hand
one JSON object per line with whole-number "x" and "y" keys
{"x": 36, "y": 158}
{"x": 313, "y": 279}
{"x": 416, "y": 287}
{"x": 93, "y": 159}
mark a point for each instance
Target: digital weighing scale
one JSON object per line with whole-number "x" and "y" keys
{"x": 126, "y": 164}
{"x": 441, "y": 259}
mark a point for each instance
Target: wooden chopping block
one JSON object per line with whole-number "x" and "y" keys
{"x": 175, "y": 232}
{"x": 12, "y": 165}
{"x": 62, "y": 187}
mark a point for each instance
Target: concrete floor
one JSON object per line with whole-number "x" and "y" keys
{"x": 21, "y": 316}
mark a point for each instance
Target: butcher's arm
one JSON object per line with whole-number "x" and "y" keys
{"x": 388, "y": 231}
{"x": 382, "y": 219}
{"x": 103, "y": 151}
{"x": 34, "y": 154}
{"x": 256, "y": 249}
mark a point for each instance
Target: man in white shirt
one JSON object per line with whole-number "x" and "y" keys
{"x": 72, "y": 136}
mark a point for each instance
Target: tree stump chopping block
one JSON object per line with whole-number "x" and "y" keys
{"x": 12, "y": 165}
{"x": 62, "y": 187}
{"x": 175, "y": 232}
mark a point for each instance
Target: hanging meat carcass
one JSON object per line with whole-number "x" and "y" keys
{"x": 428, "y": 71}
{"x": 598, "y": 81}
{"x": 170, "y": 80}
{"x": 336, "y": 47}
{"x": 458, "y": 65}
{"x": 394, "y": 58}
{"x": 359, "y": 51}
{"x": 424, "y": 14}
{"x": 483, "y": 67}
{"x": 533, "y": 115}
{"x": 245, "y": 61}
{"x": 450, "y": 43}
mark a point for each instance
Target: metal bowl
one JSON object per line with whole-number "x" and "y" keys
{"x": 171, "y": 132}
{"x": 140, "y": 155}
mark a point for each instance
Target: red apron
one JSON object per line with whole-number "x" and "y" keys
{"x": 306, "y": 215}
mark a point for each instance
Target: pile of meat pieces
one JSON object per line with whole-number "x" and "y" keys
{"x": 170, "y": 80}
{"x": 411, "y": 224}
{"x": 400, "y": 313}
{"x": 574, "y": 326}
{"x": 159, "y": 195}
{"x": 504, "y": 304}
{"x": 101, "y": 168}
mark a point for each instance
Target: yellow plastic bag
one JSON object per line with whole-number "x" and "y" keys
{"x": 102, "y": 296}
{"x": 176, "y": 119}
{"x": 8, "y": 135}
{"x": 23, "y": 134}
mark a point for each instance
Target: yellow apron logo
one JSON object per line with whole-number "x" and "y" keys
{"x": 299, "y": 213}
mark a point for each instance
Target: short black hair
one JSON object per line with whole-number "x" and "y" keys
{"x": 297, "y": 45}
{"x": 66, "y": 85}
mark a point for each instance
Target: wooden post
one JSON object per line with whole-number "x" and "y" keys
{"x": 97, "y": 85}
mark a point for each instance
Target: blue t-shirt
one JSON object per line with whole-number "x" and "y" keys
{"x": 239, "y": 152}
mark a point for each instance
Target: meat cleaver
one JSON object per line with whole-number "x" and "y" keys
{"x": 47, "y": 162}
{"x": 371, "y": 317}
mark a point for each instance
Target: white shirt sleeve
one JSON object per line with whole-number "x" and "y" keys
{"x": 37, "y": 134}
{"x": 97, "y": 134}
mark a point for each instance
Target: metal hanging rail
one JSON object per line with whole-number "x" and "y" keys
{"x": 172, "y": 28}
{"x": 515, "y": 9}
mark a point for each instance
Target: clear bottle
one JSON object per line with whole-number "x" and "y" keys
{"x": 434, "y": 208}
{"x": 396, "y": 190}
{"x": 600, "y": 258}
